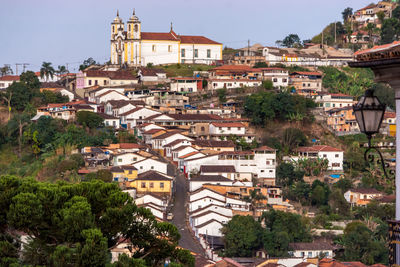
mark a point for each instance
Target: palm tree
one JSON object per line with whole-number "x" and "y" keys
{"x": 62, "y": 70}
{"x": 47, "y": 70}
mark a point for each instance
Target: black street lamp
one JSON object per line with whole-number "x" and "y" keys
{"x": 369, "y": 113}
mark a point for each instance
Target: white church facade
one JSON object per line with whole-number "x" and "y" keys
{"x": 133, "y": 47}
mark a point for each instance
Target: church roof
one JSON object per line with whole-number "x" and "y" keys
{"x": 170, "y": 36}
{"x": 188, "y": 39}
{"x": 158, "y": 36}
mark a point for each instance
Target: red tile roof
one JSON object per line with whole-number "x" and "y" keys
{"x": 129, "y": 145}
{"x": 307, "y": 73}
{"x": 389, "y": 114}
{"x": 9, "y": 78}
{"x": 188, "y": 39}
{"x": 189, "y": 154}
{"x": 319, "y": 149}
{"x": 158, "y": 36}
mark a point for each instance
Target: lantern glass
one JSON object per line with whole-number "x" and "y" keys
{"x": 369, "y": 113}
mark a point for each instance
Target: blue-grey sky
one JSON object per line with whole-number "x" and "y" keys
{"x": 33, "y": 31}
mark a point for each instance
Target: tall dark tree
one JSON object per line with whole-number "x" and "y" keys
{"x": 86, "y": 63}
{"x": 292, "y": 40}
{"x": 6, "y": 70}
{"x": 347, "y": 13}
{"x": 390, "y": 30}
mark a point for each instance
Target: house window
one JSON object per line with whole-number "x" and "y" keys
{"x": 130, "y": 171}
{"x": 152, "y": 167}
{"x": 310, "y": 254}
{"x": 119, "y": 160}
{"x": 182, "y": 53}
{"x": 90, "y": 82}
{"x": 275, "y": 80}
{"x": 284, "y": 80}
{"x": 105, "y": 82}
{"x": 161, "y": 185}
{"x": 239, "y": 128}
{"x": 153, "y": 48}
{"x": 324, "y": 155}
{"x": 202, "y": 129}
{"x": 134, "y": 159}
{"x": 129, "y": 27}
{"x": 336, "y": 164}
{"x": 229, "y": 128}
{"x": 196, "y": 53}
{"x": 170, "y": 48}
{"x": 143, "y": 185}
{"x": 208, "y": 53}
{"x": 151, "y": 185}
{"x": 136, "y": 28}
{"x": 113, "y": 29}
{"x": 336, "y": 155}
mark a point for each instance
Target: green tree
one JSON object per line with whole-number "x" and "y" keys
{"x": 260, "y": 65}
{"x": 292, "y": 40}
{"x": 87, "y": 63}
{"x": 241, "y": 236}
{"x": 47, "y": 71}
{"x": 286, "y": 174}
{"x": 6, "y": 70}
{"x": 390, "y": 30}
{"x": 320, "y": 193}
{"x": 282, "y": 228}
{"x": 360, "y": 244}
{"x": 222, "y": 95}
{"x": 268, "y": 85}
{"x": 77, "y": 224}
{"x": 347, "y": 12}
{"x": 62, "y": 70}
{"x": 338, "y": 203}
{"x": 89, "y": 119}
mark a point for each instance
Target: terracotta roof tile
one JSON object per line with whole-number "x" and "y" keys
{"x": 189, "y": 39}
{"x": 9, "y": 78}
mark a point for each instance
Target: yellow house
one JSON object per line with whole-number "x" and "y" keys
{"x": 152, "y": 182}
{"x": 125, "y": 172}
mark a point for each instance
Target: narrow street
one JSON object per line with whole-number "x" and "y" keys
{"x": 187, "y": 241}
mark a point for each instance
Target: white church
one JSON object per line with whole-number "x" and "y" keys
{"x": 133, "y": 47}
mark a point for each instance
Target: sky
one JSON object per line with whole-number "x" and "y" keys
{"x": 61, "y": 32}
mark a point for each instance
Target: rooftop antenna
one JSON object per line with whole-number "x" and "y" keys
{"x": 134, "y": 12}
{"x": 117, "y": 13}
{"x": 171, "y": 26}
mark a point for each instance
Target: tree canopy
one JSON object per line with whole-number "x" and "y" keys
{"x": 78, "y": 223}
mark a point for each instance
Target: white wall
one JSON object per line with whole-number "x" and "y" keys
{"x": 126, "y": 159}
{"x": 215, "y": 50}
{"x": 183, "y": 86}
{"x": 194, "y": 185}
{"x": 213, "y": 229}
{"x": 333, "y": 158}
{"x": 219, "y": 84}
{"x": 151, "y": 165}
{"x": 227, "y": 130}
{"x": 161, "y": 55}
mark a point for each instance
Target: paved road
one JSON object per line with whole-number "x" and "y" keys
{"x": 187, "y": 241}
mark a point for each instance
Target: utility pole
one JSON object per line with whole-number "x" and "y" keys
{"x": 24, "y": 66}
{"x": 335, "y": 32}
{"x": 20, "y": 64}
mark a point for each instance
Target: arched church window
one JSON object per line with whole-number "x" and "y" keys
{"x": 113, "y": 29}
{"x": 129, "y": 26}
{"x": 136, "y": 28}
{"x": 119, "y": 44}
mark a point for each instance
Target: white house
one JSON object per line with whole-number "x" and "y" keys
{"x": 331, "y": 101}
{"x": 174, "y": 145}
{"x": 227, "y": 171}
{"x": 110, "y": 120}
{"x": 207, "y": 216}
{"x": 157, "y": 211}
{"x": 332, "y": 154}
{"x": 211, "y": 207}
{"x": 110, "y": 95}
{"x": 151, "y": 198}
{"x": 311, "y": 250}
{"x": 227, "y": 128}
{"x": 278, "y": 76}
{"x": 130, "y": 118}
{"x": 205, "y": 192}
{"x": 151, "y": 164}
{"x": 117, "y": 107}
{"x": 361, "y": 196}
{"x": 186, "y": 84}
{"x": 198, "y": 181}
{"x": 126, "y": 158}
{"x": 161, "y": 140}
{"x": 189, "y": 156}
{"x": 7, "y": 80}
{"x": 214, "y": 84}
{"x": 182, "y": 150}
{"x": 211, "y": 227}
{"x": 261, "y": 162}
